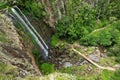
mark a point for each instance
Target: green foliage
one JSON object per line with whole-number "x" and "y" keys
{"x": 34, "y": 7}
{"x": 115, "y": 51}
{"x": 54, "y": 40}
{"x": 9, "y": 77}
{"x": 4, "y": 68}
{"x": 3, "y": 4}
{"x": 114, "y": 8}
{"x": 82, "y": 18}
{"x": 74, "y": 69}
{"x": 116, "y": 75}
{"x": 105, "y": 75}
{"x": 78, "y": 22}
{"x": 7, "y": 70}
{"x": 35, "y": 52}
{"x": 47, "y": 68}
{"x": 106, "y": 36}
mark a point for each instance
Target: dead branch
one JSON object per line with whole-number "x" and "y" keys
{"x": 95, "y": 64}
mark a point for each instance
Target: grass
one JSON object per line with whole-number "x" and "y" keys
{"x": 106, "y": 75}
{"x": 59, "y": 76}
{"x": 75, "y": 70}
{"x": 9, "y": 77}
{"x": 107, "y": 61}
{"x": 7, "y": 70}
{"x": 80, "y": 72}
{"x": 31, "y": 77}
{"x": 3, "y": 38}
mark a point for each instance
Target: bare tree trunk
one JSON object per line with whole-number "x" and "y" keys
{"x": 63, "y": 6}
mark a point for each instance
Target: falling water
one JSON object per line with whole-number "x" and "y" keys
{"x": 18, "y": 15}
{"x": 32, "y": 27}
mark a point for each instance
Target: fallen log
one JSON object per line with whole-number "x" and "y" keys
{"x": 92, "y": 62}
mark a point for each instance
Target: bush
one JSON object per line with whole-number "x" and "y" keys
{"x": 47, "y": 68}
{"x": 115, "y": 51}
{"x": 34, "y": 7}
{"x": 107, "y": 36}
{"x": 77, "y": 23}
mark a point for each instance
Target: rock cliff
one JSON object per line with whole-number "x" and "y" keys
{"x": 16, "y": 62}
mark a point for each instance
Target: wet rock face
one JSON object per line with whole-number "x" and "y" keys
{"x": 63, "y": 58}
{"x": 12, "y": 52}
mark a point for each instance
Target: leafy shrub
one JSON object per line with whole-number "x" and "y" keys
{"x": 107, "y": 36}
{"x": 47, "y": 68}
{"x": 77, "y": 23}
{"x": 34, "y": 7}
{"x": 115, "y": 51}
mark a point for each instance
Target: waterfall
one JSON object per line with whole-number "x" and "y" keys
{"x": 17, "y": 14}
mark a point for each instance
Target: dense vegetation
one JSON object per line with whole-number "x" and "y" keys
{"x": 82, "y": 19}
{"x": 88, "y": 22}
